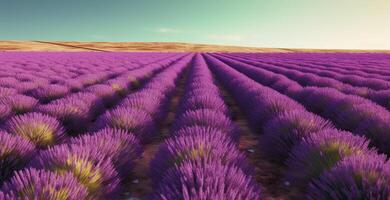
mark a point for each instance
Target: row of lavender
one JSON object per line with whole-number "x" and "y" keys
{"x": 321, "y": 161}
{"x": 34, "y": 73}
{"x": 348, "y": 112}
{"x": 201, "y": 159}
{"x": 89, "y": 166}
{"x": 366, "y": 65}
{"x": 375, "y": 89}
{"x": 42, "y": 90}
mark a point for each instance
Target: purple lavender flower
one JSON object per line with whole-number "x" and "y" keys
{"x": 201, "y": 91}
{"x": 105, "y": 92}
{"x": 359, "y": 91}
{"x": 5, "y": 112}
{"x": 15, "y": 152}
{"x": 269, "y": 106}
{"x": 25, "y": 77}
{"x": 197, "y": 143}
{"x": 284, "y": 85}
{"x": 121, "y": 86}
{"x": 343, "y": 104}
{"x": 8, "y": 81}
{"x": 148, "y": 94}
{"x": 321, "y": 151}
{"x": 88, "y": 165}
{"x": 134, "y": 81}
{"x": 375, "y": 83}
{"x": 318, "y": 99}
{"x": 26, "y": 87}
{"x": 135, "y": 121}
{"x": 75, "y": 116}
{"x": 208, "y": 118}
{"x": 94, "y": 103}
{"x": 205, "y": 101}
{"x": 40, "y": 184}
{"x": 50, "y": 92}
{"x": 356, "y": 177}
{"x": 90, "y": 79}
{"x": 5, "y": 92}
{"x": 202, "y": 82}
{"x": 377, "y": 127}
{"x": 286, "y": 130}
{"x": 352, "y": 117}
{"x": 211, "y": 180}
{"x": 73, "y": 85}
{"x": 40, "y": 129}
{"x": 200, "y": 129}
{"x": 19, "y": 103}
{"x": 382, "y": 97}
{"x": 153, "y": 107}
{"x": 121, "y": 146}
{"x": 161, "y": 83}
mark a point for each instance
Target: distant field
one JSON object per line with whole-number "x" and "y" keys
{"x": 146, "y": 47}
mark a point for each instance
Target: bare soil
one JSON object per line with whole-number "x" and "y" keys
{"x": 139, "y": 184}
{"x": 267, "y": 173}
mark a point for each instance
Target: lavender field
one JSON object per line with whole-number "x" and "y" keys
{"x": 194, "y": 126}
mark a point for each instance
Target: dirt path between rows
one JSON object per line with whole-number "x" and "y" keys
{"x": 139, "y": 185}
{"x": 267, "y": 174}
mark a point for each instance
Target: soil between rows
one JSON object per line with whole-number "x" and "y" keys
{"x": 138, "y": 184}
{"x": 267, "y": 174}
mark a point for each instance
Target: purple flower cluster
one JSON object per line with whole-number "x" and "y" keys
{"x": 108, "y": 95}
{"x": 6, "y": 92}
{"x": 197, "y": 144}
{"x": 122, "y": 146}
{"x": 132, "y": 120}
{"x": 96, "y": 161}
{"x": 41, "y": 184}
{"x": 357, "y": 177}
{"x": 139, "y": 111}
{"x": 87, "y": 164}
{"x": 90, "y": 166}
{"x": 352, "y": 113}
{"x": 321, "y": 151}
{"x": 288, "y": 129}
{"x": 15, "y": 153}
{"x": 307, "y": 144}
{"x": 283, "y": 121}
{"x": 19, "y": 103}
{"x": 348, "y": 111}
{"x": 74, "y": 111}
{"x": 50, "y": 92}
{"x": 201, "y": 159}
{"x": 40, "y": 129}
{"x": 319, "y": 76}
{"x": 207, "y": 180}
{"x": 207, "y": 118}
{"x": 260, "y": 103}
{"x": 5, "y": 112}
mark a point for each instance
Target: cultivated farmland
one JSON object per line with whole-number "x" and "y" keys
{"x": 199, "y": 126}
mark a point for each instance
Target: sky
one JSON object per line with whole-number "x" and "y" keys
{"x": 340, "y": 24}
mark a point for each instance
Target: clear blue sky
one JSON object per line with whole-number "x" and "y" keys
{"x": 264, "y": 23}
